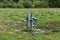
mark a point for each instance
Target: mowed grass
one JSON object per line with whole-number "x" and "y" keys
{"x": 10, "y": 18}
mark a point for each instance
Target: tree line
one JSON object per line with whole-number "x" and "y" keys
{"x": 29, "y": 3}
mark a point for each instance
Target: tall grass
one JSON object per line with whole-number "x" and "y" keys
{"x": 10, "y": 18}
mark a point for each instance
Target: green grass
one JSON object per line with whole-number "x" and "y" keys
{"x": 10, "y": 18}
{"x": 45, "y": 15}
{"x": 20, "y": 36}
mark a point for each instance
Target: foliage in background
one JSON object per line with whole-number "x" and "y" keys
{"x": 54, "y": 3}
{"x": 29, "y": 3}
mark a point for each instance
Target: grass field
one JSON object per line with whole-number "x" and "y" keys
{"x": 10, "y": 18}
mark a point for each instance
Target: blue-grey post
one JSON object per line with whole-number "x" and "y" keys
{"x": 29, "y": 21}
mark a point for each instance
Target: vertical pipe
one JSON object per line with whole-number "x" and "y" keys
{"x": 29, "y": 21}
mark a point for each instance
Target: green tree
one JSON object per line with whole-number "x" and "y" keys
{"x": 1, "y": 5}
{"x": 27, "y": 4}
{"x": 54, "y": 3}
{"x": 16, "y": 0}
{"x": 1, "y": 0}
{"x": 40, "y": 4}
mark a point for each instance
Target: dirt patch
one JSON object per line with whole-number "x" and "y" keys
{"x": 52, "y": 26}
{"x": 13, "y": 25}
{"x": 18, "y": 25}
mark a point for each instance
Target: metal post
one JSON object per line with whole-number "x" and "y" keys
{"x": 29, "y": 21}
